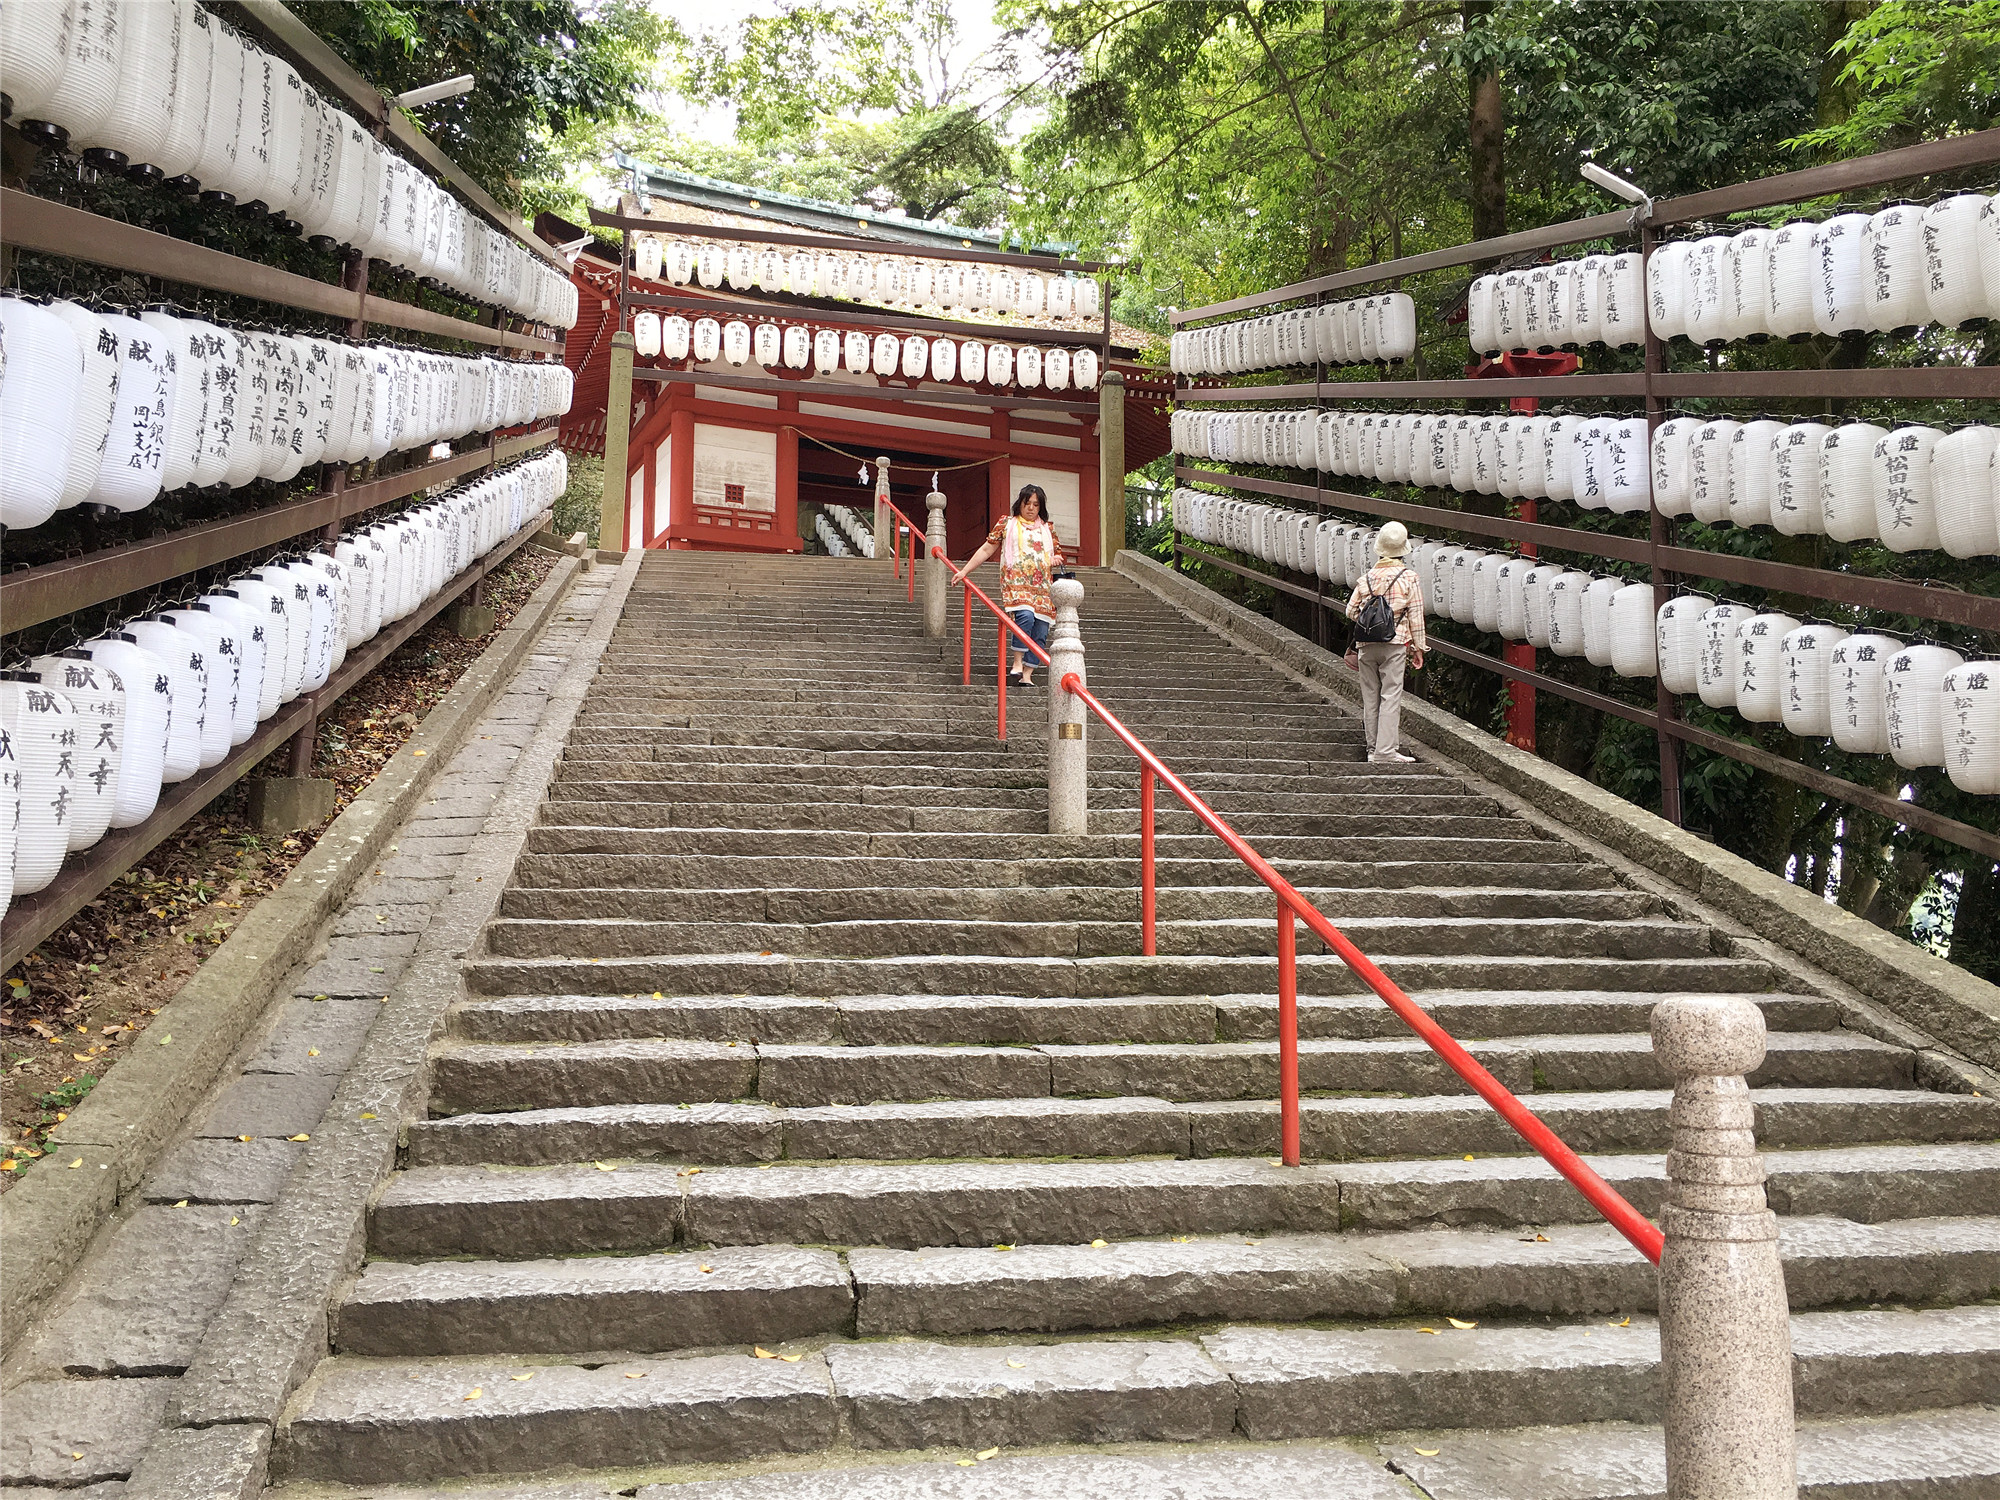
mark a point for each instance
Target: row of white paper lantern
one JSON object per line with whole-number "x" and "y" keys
{"x": 1870, "y": 694}
{"x": 859, "y": 536}
{"x": 830, "y": 537}
{"x": 115, "y": 409}
{"x": 890, "y": 280}
{"x": 165, "y": 86}
{"x": 1598, "y": 299}
{"x": 826, "y": 349}
{"x": 95, "y": 733}
{"x": 1914, "y": 488}
{"x": 1366, "y": 330}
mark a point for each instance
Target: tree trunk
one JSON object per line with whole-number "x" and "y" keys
{"x": 1836, "y": 99}
{"x": 1975, "y": 927}
{"x": 1486, "y": 137}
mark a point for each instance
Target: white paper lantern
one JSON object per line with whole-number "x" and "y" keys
{"x": 1746, "y": 285}
{"x": 707, "y": 340}
{"x": 1673, "y": 466}
{"x": 1084, "y": 369}
{"x": 1000, "y": 365}
{"x": 39, "y": 724}
{"x": 738, "y": 269}
{"x": 40, "y": 393}
{"x": 1962, "y": 482}
{"x": 1481, "y": 316}
{"x": 1622, "y": 294}
{"x": 1798, "y": 504}
{"x": 148, "y": 705}
{"x": 1892, "y": 267}
{"x": 1634, "y": 645}
{"x": 736, "y": 342}
{"x": 221, "y": 671}
{"x": 1753, "y": 472}
{"x": 1791, "y": 278}
{"x": 859, "y": 352}
{"x": 33, "y": 53}
{"x": 708, "y": 265}
{"x": 766, "y": 344}
{"x": 1718, "y": 672}
{"x": 1056, "y": 369}
{"x": 798, "y": 347}
{"x": 1027, "y": 366}
{"x": 887, "y": 351}
{"x": 1859, "y": 688}
{"x": 1954, "y": 294}
{"x": 1486, "y": 591}
{"x": 1597, "y": 639}
{"x": 1906, "y": 517}
{"x": 1586, "y": 308}
{"x": 1969, "y": 700}
{"x": 1587, "y": 464}
{"x": 972, "y": 362}
{"x": 1511, "y": 597}
{"x": 646, "y": 334}
{"x": 1463, "y": 599}
{"x": 1535, "y": 602}
{"x": 1840, "y": 286}
{"x": 1558, "y": 454}
{"x": 916, "y": 356}
{"x": 1566, "y": 613}
{"x": 1677, "y": 642}
{"x": 96, "y": 394}
{"x": 188, "y": 690}
{"x": 827, "y": 350}
{"x": 1669, "y": 295}
{"x": 1760, "y": 676}
{"x": 94, "y": 741}
{"x": 1707, "y": 311}
{"x": 649, "y": 257}
{"x": 1914, "y": 704}
{"x": 84, "y": 96}
{"x": 1805, "y": 657}
{"x": 1708, "y": 464}
{"x": 1847, "y": 480}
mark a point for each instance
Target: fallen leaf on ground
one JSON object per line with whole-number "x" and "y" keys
{"x": 1003, "y": 1247}
{"x": 526, "y": 1375}
{"x": 182, "y": 1204}
{"x": 245, "y": 1138}
{"x": 988, "y": 1453}
{"x": 1017, "y": 1364}
{"x": 75, "y": 1164}
{"x": 706, "y": 1270}
{"x": 1460, "y": 1323}
{"x": 635, "y": 1374}
{"x": 1427, "y": 1452}
{"x": 603, "y": 1166}
{"x": 963, "y": 1463}
{"x": 1625, "y": 1322}
{"x": 1097, "y": 1244}
{"x": 474, "y": 1394}
{"x": 1426, "y": 1330}
{"x": 300, "y": 1137}
{"x": 368, "y": 1117}
{"x": 763, "y": 1353}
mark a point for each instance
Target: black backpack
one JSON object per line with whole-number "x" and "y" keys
{"x": 1377, "y": 622}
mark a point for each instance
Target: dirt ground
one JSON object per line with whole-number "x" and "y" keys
{"x": 73, "y": 1006}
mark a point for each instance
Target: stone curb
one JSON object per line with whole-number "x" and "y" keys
{"x": 1957, "y": 1008}
{"x": 272, "y": 1330}
{"x": 49, "y": 1219}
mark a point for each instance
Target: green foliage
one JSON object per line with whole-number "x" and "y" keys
{"x": 1919, "y": 69}
{"x": 542, "y": 69}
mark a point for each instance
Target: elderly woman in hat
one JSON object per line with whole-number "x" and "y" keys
{"x": 1387, "y": 637}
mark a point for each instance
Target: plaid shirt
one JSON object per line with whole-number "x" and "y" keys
{"x": 1396, "y": 581}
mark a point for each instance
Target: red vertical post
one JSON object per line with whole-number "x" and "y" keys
{"x": 912, "y": 594}
{"x": 1288, "y": 1035}
{"x": 965, "y": 672}
{"x": 1146, "y": 876}
{"x": 1003, "y": 681}
{"x": 896, "y": 542}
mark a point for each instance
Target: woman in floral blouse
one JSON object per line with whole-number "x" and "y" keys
{"x": 1029, "y": 556}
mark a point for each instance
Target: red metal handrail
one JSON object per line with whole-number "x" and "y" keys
{"x": 1292, "y": 907}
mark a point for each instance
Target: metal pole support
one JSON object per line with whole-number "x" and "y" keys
{"x": 937, "y": 577}
{"x": 1725, "y": 1328}
{"x": 1069, "y": 747}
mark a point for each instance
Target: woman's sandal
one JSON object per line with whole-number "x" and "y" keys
{"x": 1015, "y": 679}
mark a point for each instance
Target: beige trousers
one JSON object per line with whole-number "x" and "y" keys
{"x": 1382, "y": 664}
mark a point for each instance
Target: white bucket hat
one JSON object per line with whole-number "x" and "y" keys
{"x": 1393, "y": 540}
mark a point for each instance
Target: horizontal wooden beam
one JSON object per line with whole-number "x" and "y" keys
{"x": 856, "y": 244}
{"x": 1868, "y": 799}
{"x": 33, "y": 596}
{"x": 817, "y": 390}
{"x": 848, "y": 315}
{"x": 1890, "y": 595}
{"x": 1952, "y": 154}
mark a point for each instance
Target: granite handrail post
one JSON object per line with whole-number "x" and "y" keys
{"x": 1725, "y": 1328}
{"x": 1069, "y": 745}
{"x": 937, "y": 572}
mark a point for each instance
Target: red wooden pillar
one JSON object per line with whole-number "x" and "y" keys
{"x": 680, "y": 473}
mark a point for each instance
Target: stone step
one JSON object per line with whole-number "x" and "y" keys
{"x": 776, "y": 973}
{"x": 612, "y": 1205}
{"x": 1074, "y": 904}
{"x": 551, "y": 838}
{"x": 469, "y": 1077}
{"x": 1952, "y": 1452}
{"x": 787, "y": 777}
{"x": 1260, "y": 829}
{"x": 988, "y": 1020}
{"x": 701, "y": 872}
{"x": 1337, "y": 1129}
{"x": 368, "y": 1422}
{"x": 1051, "y": 937}
{"x": 690, "y": 1299}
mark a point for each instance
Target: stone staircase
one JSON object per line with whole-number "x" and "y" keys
{"x": 810, "y": 1110}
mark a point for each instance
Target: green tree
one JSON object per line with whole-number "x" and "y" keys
{"x": 1912, "y": 70}
{"x": 542, "y": 70}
